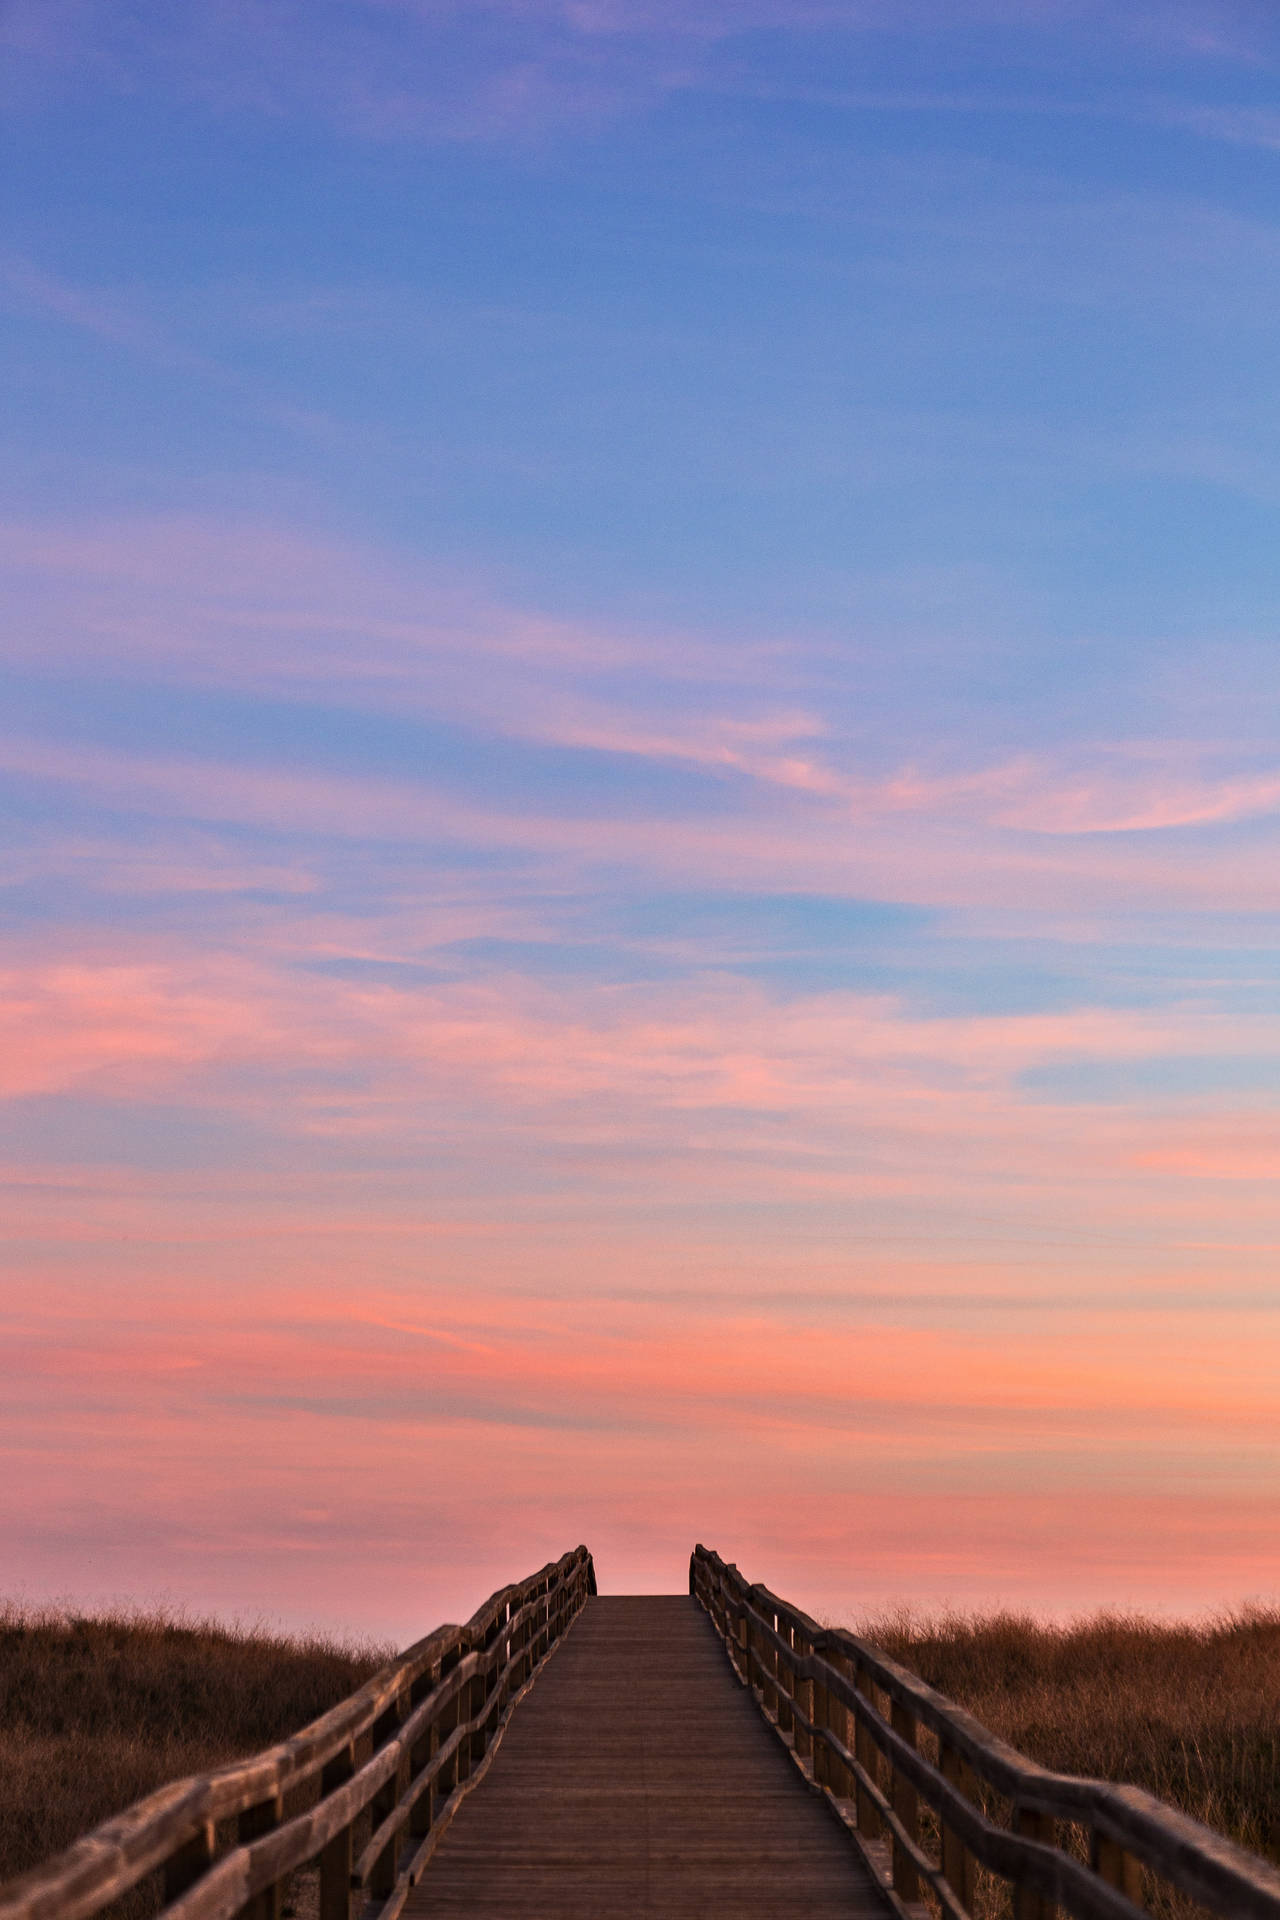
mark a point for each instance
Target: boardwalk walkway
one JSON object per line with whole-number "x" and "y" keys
{"x": 639, "y": 1779}
{"x": 581, "y": 1759}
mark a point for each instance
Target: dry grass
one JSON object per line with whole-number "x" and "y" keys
{"x": 95, "y": 1713}
{"x": 1192, "y": 1713}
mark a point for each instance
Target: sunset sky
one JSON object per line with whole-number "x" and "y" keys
{"x": 640, "y": 774}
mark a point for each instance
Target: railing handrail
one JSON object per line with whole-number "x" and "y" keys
{"x": 398, "y": 1708}
{"x": 1138, "y": 1826}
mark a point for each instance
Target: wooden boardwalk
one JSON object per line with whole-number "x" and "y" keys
{"x": 582, "y": 1759}
{"x": 638, "y": 1778}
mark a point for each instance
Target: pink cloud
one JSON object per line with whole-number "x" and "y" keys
{"x": 710, "y": 1093}
{"x": 713, "y": 1044}
{"x": 1245, "y": 1150}
{"x": 935, "y": 858}
{"x": 546, "y": 1236}
{"x": 262, "y": 609}
{"x": 1143, "y": 799}
{"x": 300, "y": 1436}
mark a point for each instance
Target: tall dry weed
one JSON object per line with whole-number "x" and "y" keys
{"x": 1191, "y": 1712}
{"x": 96, "y": 1712}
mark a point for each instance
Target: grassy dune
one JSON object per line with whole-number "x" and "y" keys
{"x": 94, "y": 1713}
{"x": 1190, "y": 1712}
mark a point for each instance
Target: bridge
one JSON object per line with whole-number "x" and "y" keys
{"x": 716, "y": 1753}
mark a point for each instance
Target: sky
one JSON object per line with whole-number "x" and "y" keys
{"x": 639, "y": 802}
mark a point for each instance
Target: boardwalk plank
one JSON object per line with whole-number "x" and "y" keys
{"x": 639, "y": 1779}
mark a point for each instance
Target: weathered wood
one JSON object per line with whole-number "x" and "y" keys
{"x": 769, "y": 1660}
{"x": 637, "y": 1779}
{"x": 957, "y": 1861}
{"x": 868, "y": 1817}
{"x": 251, "y": 1825}
{"x": 1132, "y": 1829}
{"x": 786, "y": 1678}
{"x": 420, "y": 1755}
{"x": 408, "y": 1746}
{"x": 839, "y": 1776}
{"x": 174, "y": 1829}
{"x": 821, "y": 1751}
{"x": 335, "y": 1858}
{"x": 382, "y": 1876}
{"x": 1118, "y": 1868}
{"x": 189, "y": 1861}
{"x": 1028, "y": 1904}
{"x": 906, "y": 1805}
{"x": 802, "y": 1694}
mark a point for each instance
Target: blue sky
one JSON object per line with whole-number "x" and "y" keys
{"x": 640, "y": 684}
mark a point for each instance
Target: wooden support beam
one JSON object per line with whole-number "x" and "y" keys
{"x": 336, "y": 1857}
{"x": 957, "y": 1861}
{"x": 1027, "y": 1904}
{"x": 802, "y": 1694}
{"x": 1118, "y": 1868}
{"x": 867, "y": 1756}
{"x": 189, "y": 1862}
{"x": 251, "y": 1825}
{"x": 906, "y": 1804}
{"x": 840, "y": 1721}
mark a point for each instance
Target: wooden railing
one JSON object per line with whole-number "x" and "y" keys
{"x": 917, "y": 1782}
{"x": 387, "y": 1769}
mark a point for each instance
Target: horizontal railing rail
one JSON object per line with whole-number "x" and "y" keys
{"x": 852, "y": 1719}
{"x": 397, "y": 1756}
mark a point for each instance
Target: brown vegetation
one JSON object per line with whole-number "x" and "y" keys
{"x": 1192, "y": 1713}
{"x": 95, "y": 1713}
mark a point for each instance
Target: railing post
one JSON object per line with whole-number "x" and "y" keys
{"x": 786, "y": 1678}
{"x": 821, "y": 1721}
{"x": 906, "y": 1804}
{"x": 957, "y": 1861}
{"x": 839, "y": 1778}
{"x": 194, "y": 1858}
{"x": 335, "y": 1859}
{"x": 753, "y": 1652}
{"x": 1027, "y": 1903}
{"x": 476, "y": 1705}
{"x": 446, "y": 1721}
{"x": 383, "y": 1877}
{"x": 865, "y": 1752}
{"x": 1118, "y": 1868}
{"x": 251, "y": 1825}
{"x": 803, "y": 1697}
{"x": 743, "y": 1660}
{"x": 769, "y": 1666}
{"x": 526, "y": 1640}
{"x": 504, "y": 1659}
{"x": 423, "y": 1811}
{"x": 466, "y": 1694}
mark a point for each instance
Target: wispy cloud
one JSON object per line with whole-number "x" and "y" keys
{"x": 433, "y": 70}
{"x": 264, "y": 609}
{"x": 124, "y": 319}
{"x": 641, "y": 799}
{"x": 867, "y": 1410}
